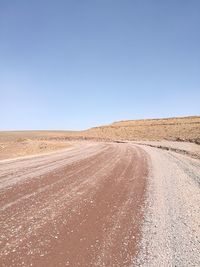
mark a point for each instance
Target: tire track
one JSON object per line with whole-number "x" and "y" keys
{"x": 84, "y": 212}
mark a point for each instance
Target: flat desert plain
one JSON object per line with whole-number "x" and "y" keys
{"x": 126, "y": 194}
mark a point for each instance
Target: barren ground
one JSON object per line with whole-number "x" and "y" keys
{"x": 172, "y": 129}
{"x": 185, "y": 129}
{"x": 100, "y": 204}
{"x": 79, "y": 208}
{"x": 130, "y": 199}
{"x": 23, "y": 147}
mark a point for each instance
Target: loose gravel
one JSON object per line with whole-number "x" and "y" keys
{"x": 171, "y": 229}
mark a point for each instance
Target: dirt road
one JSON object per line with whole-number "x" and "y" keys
{"x": 100, "y": 204}
{"x": 76, "y": 208}
{"x": 171, "y": 228}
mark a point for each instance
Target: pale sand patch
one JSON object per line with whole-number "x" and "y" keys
{"x": 25, "y": 147}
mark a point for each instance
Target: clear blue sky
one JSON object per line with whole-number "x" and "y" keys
{"x": 77, "y": 64}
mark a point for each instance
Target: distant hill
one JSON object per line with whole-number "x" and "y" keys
{"x": 176, "y": 129}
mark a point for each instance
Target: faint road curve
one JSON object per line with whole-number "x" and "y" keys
{"x": 101, "y": 204}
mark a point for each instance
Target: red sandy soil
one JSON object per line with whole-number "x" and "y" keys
{"x": 81, "y": 207}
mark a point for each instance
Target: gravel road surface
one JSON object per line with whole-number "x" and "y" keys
{"x": 75, "y": 208}
{"x": 101, "y": 204}
{"x": 171, "y": 228}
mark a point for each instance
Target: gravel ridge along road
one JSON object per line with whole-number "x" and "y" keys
{"x": 171, "y": 228}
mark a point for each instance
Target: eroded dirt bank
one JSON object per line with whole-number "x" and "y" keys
{"x": 81, "y": 207}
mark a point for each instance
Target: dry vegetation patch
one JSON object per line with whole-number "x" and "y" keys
{"x": 172, "y": 129}
{"x": 24, "y": 147}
